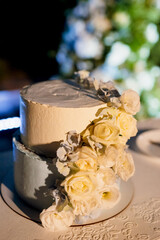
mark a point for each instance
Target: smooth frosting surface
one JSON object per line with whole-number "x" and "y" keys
{"x": 60, "y": 93}
{"x": 50, "y": 109}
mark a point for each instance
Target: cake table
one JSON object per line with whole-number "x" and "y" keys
{"x": 140, "y": 220}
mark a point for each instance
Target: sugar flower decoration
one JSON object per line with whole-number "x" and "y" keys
{"x": 92, "y": 162}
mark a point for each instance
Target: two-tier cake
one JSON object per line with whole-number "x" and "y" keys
{"x": 71, "y": 149}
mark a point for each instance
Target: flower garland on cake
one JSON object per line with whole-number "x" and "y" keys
{"x": 94, "y": 160}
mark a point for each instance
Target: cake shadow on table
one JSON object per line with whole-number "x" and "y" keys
{"x": 14, "y": 201}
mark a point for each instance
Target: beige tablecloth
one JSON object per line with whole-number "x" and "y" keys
{"x": 140, "y": 220}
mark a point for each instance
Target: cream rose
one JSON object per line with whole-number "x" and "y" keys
{"x": 109, "y": 157}
{"x": 124, "y": 166}
{"x": 87, "y": 160}
{"x": 130, "y": 101}
{"x": 85, "y": 206}
{"x": 110, "y": 196}
{"x": 79, "y": 185}
{"x": 124, "y": 121}
{"x": 127, "y": 125}
{"x": 57, "y": 221}
{"x": 102, "y": 131}
{"x": 105, "y": 132}
{"x": 105, "y": 177}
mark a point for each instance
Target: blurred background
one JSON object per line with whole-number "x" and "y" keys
{"x": 114, "y": 39}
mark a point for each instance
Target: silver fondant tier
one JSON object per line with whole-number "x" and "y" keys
{"x": 34, "y": 175}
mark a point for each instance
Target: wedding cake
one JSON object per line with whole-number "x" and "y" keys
{"x": 71, "y": 150}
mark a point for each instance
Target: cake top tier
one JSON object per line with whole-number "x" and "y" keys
{"x": 60, "y": 93}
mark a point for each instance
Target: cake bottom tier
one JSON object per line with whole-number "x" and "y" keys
{"x": 34, "y": 175}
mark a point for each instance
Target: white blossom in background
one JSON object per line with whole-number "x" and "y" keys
{"x": 144, "y": 52}
{"x": 152, "y": 33}
{"x": 100, "y": 73}
{"x": 145, "y": 80}
{"x": 153, "y": 105}
{"x": 155, "y": 71}
{"x": 157, "y": 3}
{"x": 88, "y": 46}
{"x": 119, "y": 54}
{"x": 106, "y": 72}
{"x": 131, "y": 83}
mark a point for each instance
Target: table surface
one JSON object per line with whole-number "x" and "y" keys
{"x": 140, "y": 220}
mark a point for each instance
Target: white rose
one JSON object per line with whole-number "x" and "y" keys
{"x": 105, "y": 132}
{"x": 110, "y": 196}
{"x": 127, "y": 125}
{"x": 79, "y": 185}
{"x": 124, "y": 166}
{"x": 87, "y": 160}
{"x": 85, "y": 206}
{"x": 57, "y": 221}
{"x": 80, "y": 188}
{"x": 125, "y": 122}
{"x": 105, "y": 177}
{"x": 108, "y": 158}
{"x": 130, "y": 101}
